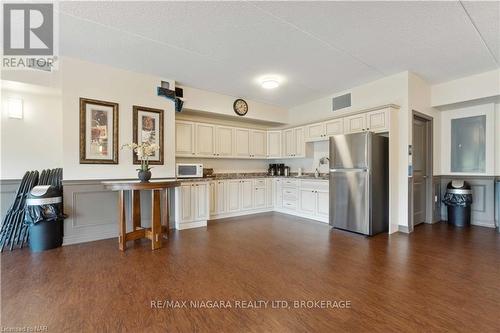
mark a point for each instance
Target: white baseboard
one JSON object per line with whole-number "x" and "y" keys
{"x": 88, "y": 237}
{"x": 240, "y": 213}
{"x": 190, "y": 225}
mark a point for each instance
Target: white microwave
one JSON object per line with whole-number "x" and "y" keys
{"x": 187, "y": 170}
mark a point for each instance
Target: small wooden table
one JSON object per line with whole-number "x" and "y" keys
{"x": 159, "y": 210}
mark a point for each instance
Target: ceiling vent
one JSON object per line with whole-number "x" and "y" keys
{"x": 340, "y": 102}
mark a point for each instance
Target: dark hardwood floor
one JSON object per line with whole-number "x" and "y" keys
{"x": 437, "y": 279}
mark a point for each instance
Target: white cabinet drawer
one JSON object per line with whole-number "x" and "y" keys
{"x": 290, "y": 204}
{"x": 318, "y": 185}
{"x": 260, "y": 182}
{"x": 290, "y": 194}
{"x": 290, "y": 183}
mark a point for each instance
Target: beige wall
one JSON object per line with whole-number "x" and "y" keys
{"x": 34, "y": 142}
{"x": 388, "y": 90}
{"x": 468, "y": 88}
{"x": 89, "y": 80}
{"x": 210, "y": 103}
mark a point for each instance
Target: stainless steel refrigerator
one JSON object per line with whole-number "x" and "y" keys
{"x": 359, "y": 183}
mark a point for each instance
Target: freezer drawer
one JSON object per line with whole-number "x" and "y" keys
{"x": 349, "y": 200}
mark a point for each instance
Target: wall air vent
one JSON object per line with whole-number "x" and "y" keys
{"x": 340, "y": 102}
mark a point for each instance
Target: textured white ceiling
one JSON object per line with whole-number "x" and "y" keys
{"x": 320, "y": 47}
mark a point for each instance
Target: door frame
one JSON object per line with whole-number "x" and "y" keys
{"x": 429, "y": 167}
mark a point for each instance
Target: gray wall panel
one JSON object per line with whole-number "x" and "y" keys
{"x": 483, "y": 207}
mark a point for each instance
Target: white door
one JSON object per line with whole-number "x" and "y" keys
{"x": 246, "y": 193}
{"x": 233, "y": 195}
{"x": 224, "y": 144}
{"x": 300, "y": 143}
{"x": 269, "y": 192}
{"x": 274, "y": 144}
{"x": 377, "y": 121}
{"x": 289, "y": 143}
{"x": 323, "y": 203}
{"x": 316, "y": 131}
{"x": 258, "y": 144}
{"x": 220, "y": 189}
{"x": 242, "y": 142}
{"x": 201, "y": 201}
{"x": 213, "y": 197}
{"x": 186, "y": 206}
{"x": 205, "y": 140}
{"x": 307, "y": 201}
{"x": 184, "y": 139}
{"x": 355, "y": 123}
{"x": 334, "y": 127}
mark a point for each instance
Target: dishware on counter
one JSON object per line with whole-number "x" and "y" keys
{"x": 299, "y": 172}
{"x": 208, "y": 172}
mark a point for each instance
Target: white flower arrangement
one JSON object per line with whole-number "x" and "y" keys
{"x": 144, "y": 151}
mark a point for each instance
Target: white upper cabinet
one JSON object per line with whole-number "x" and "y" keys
{"x": 184, "y": 138}
{"x": 258, "y": 144}
{"x": 300, "y": 143}
{"x": 334, "y": 127}
{"x": 274, "y": 144}
{"x": 294, "y": 144}
{"x": 205, "y": 140}
{"x": 224, "y": 141}
{"x": 315, "y": 132}
{"x": 242, "y": 142}
{"x": 356, "y": 123}
{"x": 289, "y": 143}
{"x": 377, "y": 121}
{"x": 214, "y": 141}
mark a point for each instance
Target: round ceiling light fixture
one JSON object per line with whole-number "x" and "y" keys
{"x": 270, "y": 83}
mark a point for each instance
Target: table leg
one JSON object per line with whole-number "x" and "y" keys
{"x": 122, "y": 221}
{"x": 136, "y": 209}
{"x": 164, "y": 211}
{"x": 156, "y": 219}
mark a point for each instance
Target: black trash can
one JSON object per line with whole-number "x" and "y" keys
{"x": 44, "y": 215}
{"x": 458, "y": 198}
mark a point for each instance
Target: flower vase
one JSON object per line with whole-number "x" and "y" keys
{"x": 144, "y": 176}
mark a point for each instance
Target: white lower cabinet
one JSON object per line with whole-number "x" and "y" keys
{"x": 246, "y": 194}
{"x": 192, "y": 206}
{"x": 197, "y": 202}
{"x": 233, "y": 196}
{"x": 307, "y": 201}
{"x": 323, "y": 208}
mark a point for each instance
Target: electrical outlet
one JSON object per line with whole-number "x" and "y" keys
{"x": 435, "y": 198}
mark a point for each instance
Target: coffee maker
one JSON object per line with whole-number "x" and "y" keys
{"x": 272, "y": 171}
{"x": 280, "y": 168}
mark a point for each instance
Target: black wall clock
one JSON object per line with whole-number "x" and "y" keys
{"x": 240, "y": 107}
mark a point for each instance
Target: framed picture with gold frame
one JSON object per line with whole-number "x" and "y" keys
{"x": 98, "y": 132}
{"x": 148, "y": 127}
